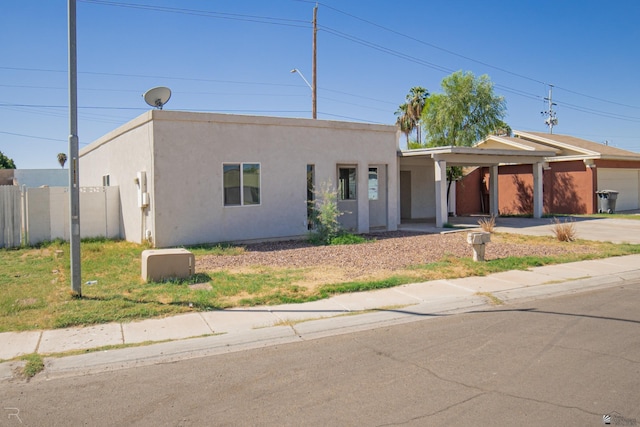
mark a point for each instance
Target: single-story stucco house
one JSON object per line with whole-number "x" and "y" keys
{"x": 187, "y": 178}
{"x": 571, "y": 177}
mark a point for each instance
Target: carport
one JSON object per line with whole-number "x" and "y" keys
{"x": 430, "y": 164}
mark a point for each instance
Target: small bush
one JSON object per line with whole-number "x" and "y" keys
{"x": 488, "y": 224}
{"x": 324, "y": 215}
{"x": 348, "y": 239}
{"x": 564, "y": 231}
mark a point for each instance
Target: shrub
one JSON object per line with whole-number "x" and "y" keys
{"x": 324, "y": 215}
{"x": 564, "y": 231}
{"x": 348, "y": 239}
{"x": 487, "y": 224}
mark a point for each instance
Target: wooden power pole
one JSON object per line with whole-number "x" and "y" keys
{"x": 314, "y": 98}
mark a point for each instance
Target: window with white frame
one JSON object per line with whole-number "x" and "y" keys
{"x": 241, "y": 182}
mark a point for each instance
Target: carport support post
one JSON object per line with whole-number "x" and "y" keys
{"x": 537, "y": 190}
{"x": 442, "y": 214}
{"x": 493, "y": 191}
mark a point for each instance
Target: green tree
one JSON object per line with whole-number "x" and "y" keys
{"x": 6, "y": 163}
{"x": 62, "y": 159}
{"x": 466, "y": 112}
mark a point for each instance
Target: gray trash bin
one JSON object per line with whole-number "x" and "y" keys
{"x": 607, "y": 201}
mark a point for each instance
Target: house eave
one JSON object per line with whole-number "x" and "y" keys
{"x": 553, "y": 142}
{"x": 471, "y": 156}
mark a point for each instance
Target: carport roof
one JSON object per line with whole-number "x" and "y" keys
{"x": 473, "y": 156}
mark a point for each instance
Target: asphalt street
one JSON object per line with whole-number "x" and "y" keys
{"x": 567, "y": 360}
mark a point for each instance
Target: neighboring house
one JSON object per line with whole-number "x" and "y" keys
{"x": 32, "y": 178}
{"x": 188, "y": 178}
{"x": 571, "y": 177}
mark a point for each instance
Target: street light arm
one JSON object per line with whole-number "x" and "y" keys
{"x": 295, "y": 70}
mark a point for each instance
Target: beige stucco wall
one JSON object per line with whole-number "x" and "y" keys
{"x": 185, "y": 172}
{"x": 121, "y": 154}
{"x": 422, "y": 186}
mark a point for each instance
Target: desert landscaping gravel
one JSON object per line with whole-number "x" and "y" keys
{"x": 390, "y": 251}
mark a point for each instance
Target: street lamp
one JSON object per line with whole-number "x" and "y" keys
{"x": 313, "y": 93}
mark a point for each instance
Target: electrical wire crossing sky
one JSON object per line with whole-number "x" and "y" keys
{"x": 236, "y": 57}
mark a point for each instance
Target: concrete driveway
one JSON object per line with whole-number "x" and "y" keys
{"x": 615, "y": 230}
{"x": 601, "y": 229}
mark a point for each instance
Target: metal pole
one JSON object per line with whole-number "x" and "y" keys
{"x": 314, "y": 104}
{"x": 74, "y": 185}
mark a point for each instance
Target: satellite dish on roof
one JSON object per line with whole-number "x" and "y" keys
{"x": 157, "y": 97}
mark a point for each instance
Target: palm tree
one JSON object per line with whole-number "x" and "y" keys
{"x": 416, "y": 99}
{"x": 62, "y": 159}
{"x": 404, "y": 121}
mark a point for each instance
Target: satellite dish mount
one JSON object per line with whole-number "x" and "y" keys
{"x": 157, "y": 97}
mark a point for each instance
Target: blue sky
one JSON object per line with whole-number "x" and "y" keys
{"x": 235, "y": 56}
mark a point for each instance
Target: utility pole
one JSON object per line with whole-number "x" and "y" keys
{"x": 314, "y": 99}
{"x": 74, "y": 186}
{"x": 551, "y": 119}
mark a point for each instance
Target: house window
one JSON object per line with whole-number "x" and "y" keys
{"x": 373, "y": 183}
{"x": 347, "y": 183}
{"x": 241, "y": 184}
{"x": 310, "y": 195}
{"x": 105, "y": 180}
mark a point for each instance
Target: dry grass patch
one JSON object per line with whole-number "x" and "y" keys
{"x": 487, "y": 224}
{"x": 564, "y": 231}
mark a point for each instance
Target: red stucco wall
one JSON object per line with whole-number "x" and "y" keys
{"x": 568, "y": 187}
{"x": 471, "y": 198}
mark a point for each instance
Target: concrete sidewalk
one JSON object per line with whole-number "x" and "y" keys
{"x": 214, "y": 332}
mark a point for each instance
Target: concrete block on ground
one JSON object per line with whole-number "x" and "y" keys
{"x": 161, "y": 264}
{"x": 62, "y": 340}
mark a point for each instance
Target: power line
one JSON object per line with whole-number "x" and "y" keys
{"x": 337, "y": 33}
{"x": 415, "y": 60}
{"x": 431, "y": 44}
{"x": 32, "y": 136}
{"x": 486, "y": 64}
{"x": 205, "y": 13}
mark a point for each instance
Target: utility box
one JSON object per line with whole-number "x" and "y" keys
{"x": 162, "y": 264}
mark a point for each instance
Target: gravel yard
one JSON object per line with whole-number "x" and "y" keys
{"x": 391, "y": 251}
